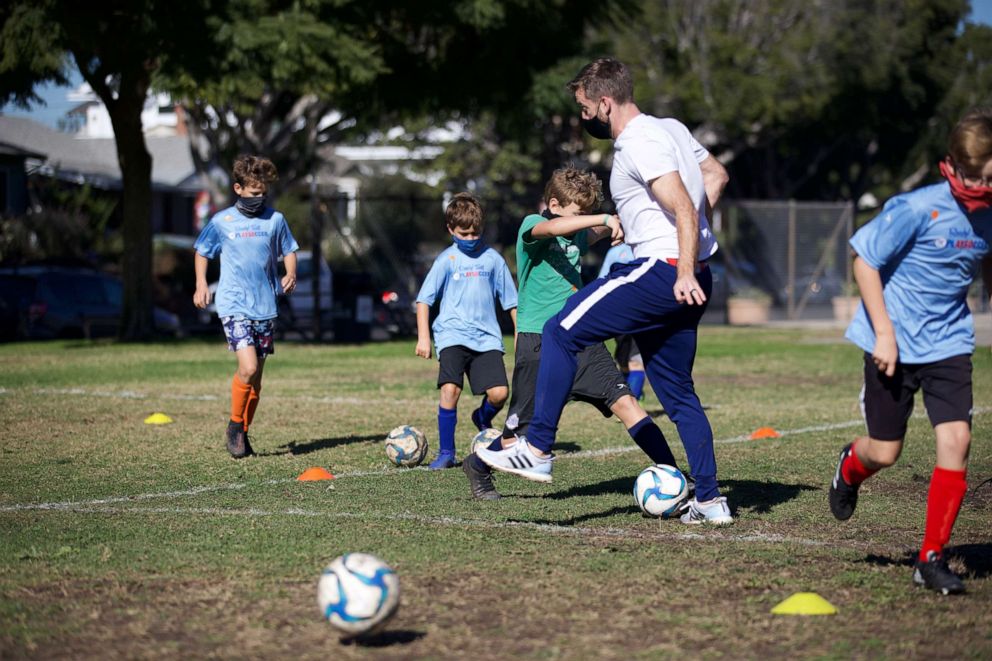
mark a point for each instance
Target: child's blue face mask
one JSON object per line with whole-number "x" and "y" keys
{"x": 468, "y": 246}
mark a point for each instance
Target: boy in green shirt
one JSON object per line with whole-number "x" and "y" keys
{"x": 549, "y": 247}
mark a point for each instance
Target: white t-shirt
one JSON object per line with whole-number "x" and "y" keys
{"x": 647, "y": 148}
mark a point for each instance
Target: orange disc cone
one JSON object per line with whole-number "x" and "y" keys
{"x": 764, "y": 432}
{"x": 314, "y": 474}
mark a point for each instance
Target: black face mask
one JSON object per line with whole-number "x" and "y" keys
{"x": 251, "y": 206}
{"x": 597, "y": 128}
{"x": 550, "y": 216}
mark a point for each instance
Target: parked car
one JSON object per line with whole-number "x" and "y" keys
{"x": 295, "y": 310}
{"x": 43, "y": 302}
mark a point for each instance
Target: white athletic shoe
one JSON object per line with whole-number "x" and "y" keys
{"x": 518, "y": 459}
{"x": 714, "y": 512}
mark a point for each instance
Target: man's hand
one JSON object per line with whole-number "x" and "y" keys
{"x": 423, "y": 348}
{"x": 201, "y": 297}
{"x": 687, "y": 290}
{"x": 886, "y": 353}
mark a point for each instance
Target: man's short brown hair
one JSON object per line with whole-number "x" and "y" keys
{"x": 250, "y": 169}
{"x": 970, "y": 142}
{"x": 464, "y": 212}
{"x": 604, "y": 77}
{"x": 570, "y": 184}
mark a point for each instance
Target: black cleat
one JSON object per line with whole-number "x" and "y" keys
{"x": 248, "y": 451}
{"x": 236, "y": 439}
{"x": 934, "y": 574}
{"x": 480, "y": 478}
{"x": 843, "y": 496}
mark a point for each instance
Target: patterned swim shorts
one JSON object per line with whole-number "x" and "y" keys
{"x": 243, "y": 333}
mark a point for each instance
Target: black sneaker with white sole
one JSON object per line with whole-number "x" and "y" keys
{"x": 843, "y": 496}
{"x": 934, "y": 574}
{"x": 480, "y": 478}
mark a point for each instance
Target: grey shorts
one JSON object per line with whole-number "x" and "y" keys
{"x": 597, "y": 382}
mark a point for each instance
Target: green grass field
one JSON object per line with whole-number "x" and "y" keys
{"x": 124, "y": 540}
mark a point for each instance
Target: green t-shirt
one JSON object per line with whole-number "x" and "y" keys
{"x": 547, "y": 273}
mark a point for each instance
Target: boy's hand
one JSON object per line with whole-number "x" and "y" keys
{"x": 886, "y": 353}
{"x": 201, "y": 297}
{"x": 289, "y": 283}
{"x": 616, "y": 230}
{"x": 423, "y": 348}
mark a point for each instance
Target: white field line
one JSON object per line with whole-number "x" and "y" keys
{"x": 551, "y": 528}
{"x": 384, "y": 472}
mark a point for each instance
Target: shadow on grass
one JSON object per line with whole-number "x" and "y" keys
{"x": 386, "y": 638}
{"x": 977, "y": 559}
{"x": 295, "y": 448}
{"x": 760, "y": 496}
{"x": 581, "y": 518}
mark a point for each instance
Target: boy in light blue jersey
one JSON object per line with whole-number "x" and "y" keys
{"x": 467, "y": 277}
{"x": 627, "y": 355}
{"x": 249, "y": 237}
{"x": 914, "y": 265}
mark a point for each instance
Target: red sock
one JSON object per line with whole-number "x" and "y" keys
{"x": 239, "y": 398}
{"x": 250, "y": 407}
{"x": 853, "y": 471}
{"x": 947, "y": 488}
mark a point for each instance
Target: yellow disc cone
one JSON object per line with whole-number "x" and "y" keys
{"x": 158, "y": 419}
{"x": 805, "y": 603}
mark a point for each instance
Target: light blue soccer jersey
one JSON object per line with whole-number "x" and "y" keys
{"x": 249, "y": 250}
{"x": 927, "y": 252}
{"x": 466, "y": 286}
{"x": 619, "y": 254}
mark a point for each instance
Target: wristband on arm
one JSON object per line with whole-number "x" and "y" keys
{"x": 606, "y": 220}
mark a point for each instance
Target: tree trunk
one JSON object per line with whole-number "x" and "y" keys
{"x": 136, "y": 176}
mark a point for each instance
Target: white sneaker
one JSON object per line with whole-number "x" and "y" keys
{"x": 714, "y": 512}
{"x": 518, "y": 459}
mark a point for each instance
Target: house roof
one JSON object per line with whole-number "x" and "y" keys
{"x": 94, "y": 160}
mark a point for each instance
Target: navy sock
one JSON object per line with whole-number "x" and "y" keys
{"x": 649, "y": 438}
{"x": 487, "y": 411}
{"x": 446, "y": 421}
{"x": 635, "y": 379}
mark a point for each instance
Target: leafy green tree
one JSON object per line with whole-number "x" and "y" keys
{"x": 118, "y": 47}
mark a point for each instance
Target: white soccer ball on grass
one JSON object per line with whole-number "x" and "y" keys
{"x": 406, "y": 446}
{"x": 357, "y": 593}
{"x": 660, "y": 489}
{"x": 484, "y": 439}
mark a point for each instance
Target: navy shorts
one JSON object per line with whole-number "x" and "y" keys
{"x": 887, "y": 402}
{"x": 485, "y": 369}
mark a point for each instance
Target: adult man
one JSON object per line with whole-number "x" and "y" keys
{"x": 663, "y": 183}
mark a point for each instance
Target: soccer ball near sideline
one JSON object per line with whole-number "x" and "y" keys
{"x": 406, "y": 446}
{"x": 484, "y": 438}
{"x": 660, "y": 489}
{"x": 357, "y": 593}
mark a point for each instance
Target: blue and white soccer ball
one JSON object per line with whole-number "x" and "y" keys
{"x": 406, "y": 446}
{"x": 660, "y": 489}
{"x": 357, "y": 593}
{"x": 484, "y": 439}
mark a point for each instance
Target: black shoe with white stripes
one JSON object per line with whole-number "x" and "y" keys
{"x": 518, "y": 459}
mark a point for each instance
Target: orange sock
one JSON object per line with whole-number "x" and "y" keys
{"x": 240, "y": 392}
{"x": 250, "y": 407}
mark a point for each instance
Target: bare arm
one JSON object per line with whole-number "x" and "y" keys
{"x": 886, "y": 353}
{"x": 671, "y": 194}
{"x": 201, "y": 297}
{"x": 715, "y": 179}
{"x": 423, "y": 331}
{"x": 289, "y": 280}
{"x": 604, "y": 225}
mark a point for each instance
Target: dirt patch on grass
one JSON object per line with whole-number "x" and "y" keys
{"x": 565, "y": 610}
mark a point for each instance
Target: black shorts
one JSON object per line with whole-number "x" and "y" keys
{"x": 485, "y": 368}
{"x": 626, "y": 351}
{"x": 597, "y": 382}
{"x": 887, "y": 402}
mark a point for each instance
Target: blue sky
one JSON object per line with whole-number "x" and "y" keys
{"x": 57, "y": 105}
